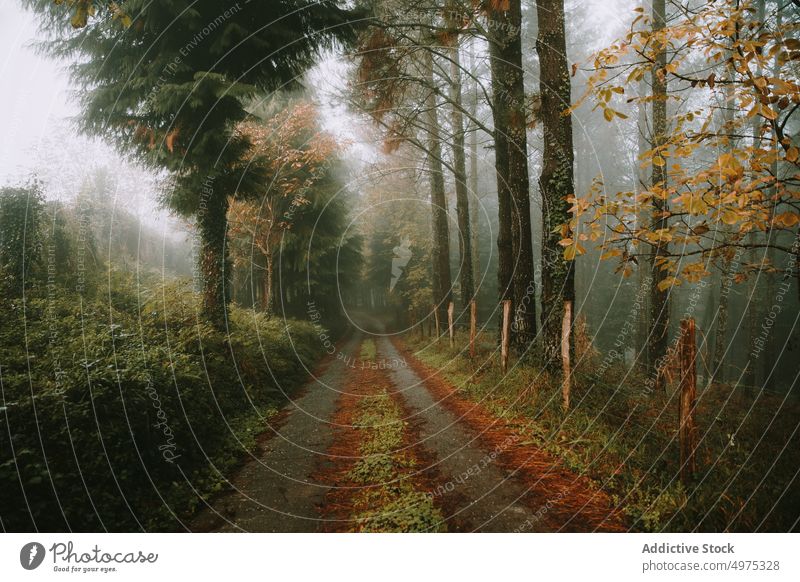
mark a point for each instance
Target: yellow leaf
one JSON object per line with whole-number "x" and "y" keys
{"x": 665, "y": 284}
{"x": 608, "y": 114}
{"x": 569, "y": 253}
{"x": 792, "y": 154}
{"x": 787, "y": 219}
{"x": 695, "y": 205}
{"x": 610, "y": 253}
{"x": 729, "y": 217}
{"x": 769, "y": 113}
{"x": 658, "y": 161}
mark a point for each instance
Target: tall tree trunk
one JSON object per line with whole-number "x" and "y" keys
{"x": 442, "y": 282}
{"x": 721, "y": 336}
{"x": 473, "y": 174}
{"x": 758, "y": 367}
{"x": 659, "y": 298}
{"x": 459, "y": 163}
{"x": 215, "y": 264}
{"x": 718, "y": 365}
{"x": 643, "y": 179}
{"x": 643, "y": 288}
{"x": 509, "y": 104}
{"x": 498, "y": 21}
{"x": 771, "y": 372}
{"x": 556, "y": 182}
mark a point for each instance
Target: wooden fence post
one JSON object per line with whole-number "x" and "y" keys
{"x": 566, "y": 371}
{"x": 505, "y": 335}
{"x": 436, "y": 318}
{"x": 473, "y": 326}
{"x": 687, "y": 431}
{"x": 450, "y": 330}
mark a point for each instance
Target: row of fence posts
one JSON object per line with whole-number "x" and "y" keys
{"x": 687, "y": 350}
{"x": 473, "y": 325}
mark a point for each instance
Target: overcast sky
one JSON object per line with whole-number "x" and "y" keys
{"x": 34, "y": 96}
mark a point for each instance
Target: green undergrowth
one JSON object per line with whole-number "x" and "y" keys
{"x": 129, "y": 408}
{"x": 394, "y": 505}
{"x": 368, "y": 350}
{"x": 625, "y": 439}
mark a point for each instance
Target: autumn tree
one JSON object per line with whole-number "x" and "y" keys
{"x": 169, "y": 81}
{"x": 705, "y": 212}
{"x": 297, "y": 159}
{"x": 659, "y": 295}
{"x": 399, "y": 85}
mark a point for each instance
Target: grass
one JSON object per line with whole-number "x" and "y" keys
{"x": 625, "y": 439}
{"x": 368, "y": 350}
{"x": 390, "y": 499}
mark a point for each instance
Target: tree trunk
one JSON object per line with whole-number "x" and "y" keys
{"x": 459, "y": 166}
{"x": 643, "y": 273}
{"x": 721, "y": 337}
{"x": 473, "y": 178}
{"x": 519, "y": 184}
{"x": 510, "y": 135}
{"x": 659, "y": 298}
{"x": 214, "y": 261}
{"x": 266, "y": 299}
{"x": 771, "y": 367}
{"x": 442, "y": 283}
{"x": 556, "y": 182}
{"x": 505, "y": 268}
{"x": 718, "y": 365}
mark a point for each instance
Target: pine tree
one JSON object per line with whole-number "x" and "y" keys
{"x": 168, "y": 81}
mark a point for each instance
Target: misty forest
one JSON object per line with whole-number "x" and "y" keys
{"x": 401, "y": 266}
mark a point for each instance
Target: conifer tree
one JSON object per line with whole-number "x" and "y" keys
{"x": 168, "y": 81}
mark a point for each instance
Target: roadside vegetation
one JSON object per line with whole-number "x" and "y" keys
{"x": 625, "y": 439}
{"x": 120, "y": 406}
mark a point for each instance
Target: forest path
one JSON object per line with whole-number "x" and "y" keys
{"x": 474, "y": 492}
{"x": 274, "y": 491}
{"x": 520, "y": 472}
{"x": 479, "y": 480}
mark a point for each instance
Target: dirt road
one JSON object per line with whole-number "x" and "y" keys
{"x": 447, "y": 461}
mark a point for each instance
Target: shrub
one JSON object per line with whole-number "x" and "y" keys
{"x": 116, "y": 409}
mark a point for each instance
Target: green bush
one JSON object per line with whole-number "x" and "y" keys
{"x": 119, "y": 409}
